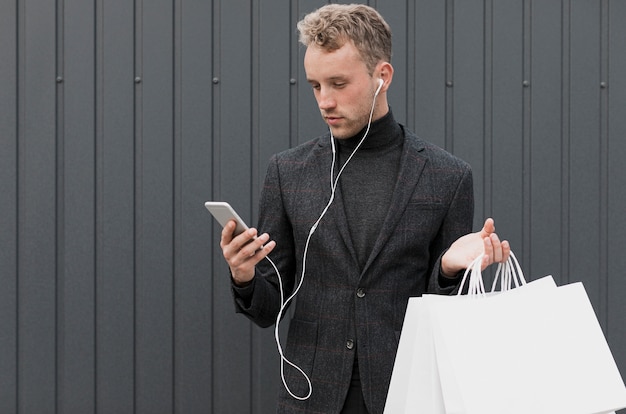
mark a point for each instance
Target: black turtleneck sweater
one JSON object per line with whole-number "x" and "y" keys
{"x": 369, "y": 179}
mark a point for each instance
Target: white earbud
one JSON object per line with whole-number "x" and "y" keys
{"x": 380, "y": 85}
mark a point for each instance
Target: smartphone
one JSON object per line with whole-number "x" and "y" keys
{"x": 223, "y": 212}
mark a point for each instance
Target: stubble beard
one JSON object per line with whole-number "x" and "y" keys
{"x": 350, "y": 126}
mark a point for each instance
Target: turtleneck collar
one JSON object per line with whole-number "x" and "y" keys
{"x": 383, "y": 132}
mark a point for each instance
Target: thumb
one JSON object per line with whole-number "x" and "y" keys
{"x": 488, "y": 228}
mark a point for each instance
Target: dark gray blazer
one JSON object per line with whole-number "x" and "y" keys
{"x": 341, "y": 311}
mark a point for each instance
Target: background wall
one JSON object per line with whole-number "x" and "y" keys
{"x": 118, "y": 119}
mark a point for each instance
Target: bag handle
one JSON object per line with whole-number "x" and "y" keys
{"x": 476, "y": 286}
{"x": 510, "y": 273}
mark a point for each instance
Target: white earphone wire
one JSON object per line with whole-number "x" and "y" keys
{"x": 284, "y": 303}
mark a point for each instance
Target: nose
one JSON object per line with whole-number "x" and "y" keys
{"x": 325, "y": 99}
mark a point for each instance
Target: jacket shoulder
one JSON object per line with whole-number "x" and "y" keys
{"x": 435, "y": 155}
{"x": 305, "y": 147}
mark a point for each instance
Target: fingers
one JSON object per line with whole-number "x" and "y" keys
{"x": 496, "y": 251}
{"x": 488, "y": 228}
{"x": 239, "y": 248}
{"x": 244, "y": 251}
{"x": 506, "y": 250}
{"x": 253, "y": 247}
{"x": 496, "y": 247}
{"x": 228, "y": 233}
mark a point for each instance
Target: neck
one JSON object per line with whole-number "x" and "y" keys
{"x": 382, "y": 131}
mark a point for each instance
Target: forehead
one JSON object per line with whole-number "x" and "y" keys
{"x": 320, "y": 63}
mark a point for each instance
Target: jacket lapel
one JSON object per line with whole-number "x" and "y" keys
{"x": 412, "y": 164}
{"x": 336, "y": 215}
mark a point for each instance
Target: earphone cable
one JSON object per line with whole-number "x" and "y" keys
{"x": 284, "y": 303}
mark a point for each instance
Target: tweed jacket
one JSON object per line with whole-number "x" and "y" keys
{"x": 341, "y": 311}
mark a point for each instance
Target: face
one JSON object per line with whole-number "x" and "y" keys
{"x": 343, "y": 88}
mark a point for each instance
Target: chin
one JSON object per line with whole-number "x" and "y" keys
{"x": 342, "y": 133}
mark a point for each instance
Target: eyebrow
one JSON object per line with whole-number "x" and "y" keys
{"x": 331, "y": 79}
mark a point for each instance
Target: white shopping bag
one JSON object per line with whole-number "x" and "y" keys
{"x": 415, "y": 378}
{"x": 533, "y": 349}
{"x": 415, "y": 382}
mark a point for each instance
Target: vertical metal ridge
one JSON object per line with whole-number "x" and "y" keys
{"x": 19, "y": 135}
{"x": 488, "y": 107}
{"x": 138, "y": 168}
{"x": 255, "y": 94}
{"x": 95, "y": 203}
{"x": 527, "y": 134}
{"x": 616, "y": 128}
{"x": 255, "y": 133}
{"x": 411, "y": 62}
{"x": 60, "y": 208}
{"x": 96, "y": 34}
{"x": 177, "y": 166}
{"x": 18, "y": 106}
{"x": 215, "y": 169}
{"x": 565, "y": 139}
{"x": 217, "y": 51}
{"x": 449, "y": 99}
{"x": 10, "y": 132}
{"x": 604, "y": 163}
{"x": 294, "y": 69}
{"x": 98, "y": 177}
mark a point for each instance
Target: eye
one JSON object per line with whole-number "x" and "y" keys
{"x": 339, "y": 85}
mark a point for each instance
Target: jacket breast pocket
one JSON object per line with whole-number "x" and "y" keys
{"x": 423, "y": 219}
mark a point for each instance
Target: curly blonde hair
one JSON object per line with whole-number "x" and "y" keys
{"x": 331, "y": 26}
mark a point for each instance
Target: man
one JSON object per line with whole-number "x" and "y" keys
{"x": 363, "y": 218}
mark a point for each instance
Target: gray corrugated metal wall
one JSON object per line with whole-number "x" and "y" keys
{"x": 119, "y": 119}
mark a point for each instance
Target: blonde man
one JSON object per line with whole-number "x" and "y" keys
{"x": 363, "y": 217}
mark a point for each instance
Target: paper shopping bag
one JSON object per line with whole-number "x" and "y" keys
{"x": 415, "y": 385}
{"x": 415, "y": 378}
{"x": 533, "y": 349}
{"x": 527, "y": 350}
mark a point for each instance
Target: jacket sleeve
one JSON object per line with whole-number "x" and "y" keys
{"x": 457, "y": 223}
{"x": 261, "y": 300}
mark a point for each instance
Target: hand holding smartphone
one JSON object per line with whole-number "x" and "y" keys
{"x": 223, "y": 213}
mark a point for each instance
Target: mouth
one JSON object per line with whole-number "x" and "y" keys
{"x": 332, "y": 120}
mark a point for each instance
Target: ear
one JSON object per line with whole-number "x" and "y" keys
{"x": 384, "y": 71}
{"x": 380, "y": 85}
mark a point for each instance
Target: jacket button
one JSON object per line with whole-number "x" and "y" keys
{"x": 350, "y": 344}
{"x": 360, "y": 293}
